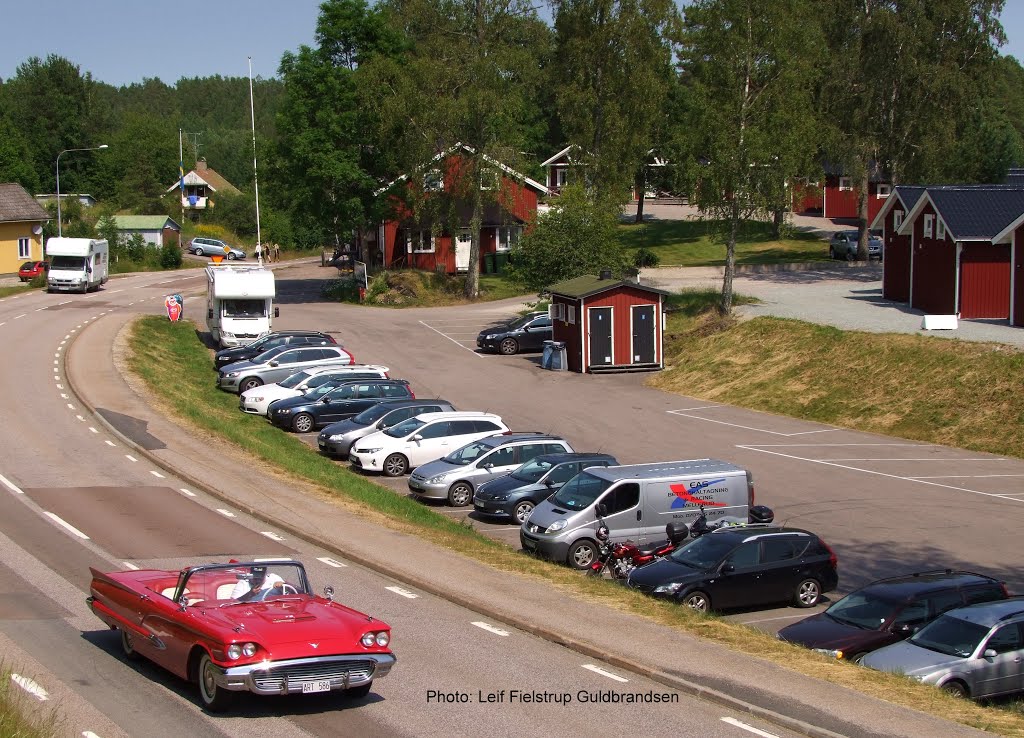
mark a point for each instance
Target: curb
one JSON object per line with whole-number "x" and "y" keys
{"x": 558, "y": 638}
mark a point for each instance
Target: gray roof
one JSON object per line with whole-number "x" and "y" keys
{"x": 590, "y": 284}
{"x": 17, "y": 205}
{"x": 979, "y": 212}
{"x": 909, "y": 194}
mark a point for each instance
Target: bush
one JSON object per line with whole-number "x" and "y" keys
{"x": 343, "y": 290}
{"x": 39, "y": 281}
{"x": 644, "y": 257}
{"x": 170, "y": 256}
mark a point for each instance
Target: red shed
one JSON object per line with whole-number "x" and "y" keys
{"x": 608, "y": 325}
{"x": 896, "y": 246}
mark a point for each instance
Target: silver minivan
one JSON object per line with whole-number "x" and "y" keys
{"x": 277, "y": 364}
{"x": 639, "y": 501}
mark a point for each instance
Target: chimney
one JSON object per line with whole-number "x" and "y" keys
{"x": 605, "y": 274}
{"x": 201, "y": 165}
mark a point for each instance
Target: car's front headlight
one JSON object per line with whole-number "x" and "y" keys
{"x": 490, "y": 337}
{"x": 375, "y": 638}
{"x": 255, "y": 399}
{"x": 437, "y": 479}
{"x": 232, "y": 374}
{"x": 832, "y": 653}
{"x": 500, "y": 498}
{"x": 228, "y": 335}
{"x": 336, "y": 437}
{"x": 557, "y": 525}
{"x": 668, "y": 588}
{"x": 283, "y": 411}
{"x": 367, "y": 450}
{"x": 234, "y": 651}
{"x": 249, "y": 650}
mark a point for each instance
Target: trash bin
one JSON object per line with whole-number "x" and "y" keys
{"x": 489, "y": 263}
{"x": 500, "y": 261}
{"x": 553, "y": 357}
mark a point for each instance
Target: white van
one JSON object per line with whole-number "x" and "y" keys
{"x": 639, "y": 501}
{"x": 76, "y": 264}
{"x": 239, "y": 303}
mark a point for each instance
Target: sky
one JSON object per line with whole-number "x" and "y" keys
{"x": 125, "y": 41}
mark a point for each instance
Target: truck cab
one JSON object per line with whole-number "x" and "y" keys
{"x": 239, "y": 303}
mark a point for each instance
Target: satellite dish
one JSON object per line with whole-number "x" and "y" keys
{"x": 37, "y": 229}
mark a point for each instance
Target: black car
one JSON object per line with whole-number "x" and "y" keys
{"x": 514, "y": 495}
{"x": 336, "y": 439}
{"x": 278, "y": 338}
{"x": 527, "y": 333}
{"x": 890, "y": 610}
{"x": 306, "y": 413}
{"x": 742, "y": 566}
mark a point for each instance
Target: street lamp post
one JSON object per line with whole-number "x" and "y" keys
{"x": 65, "y": 151}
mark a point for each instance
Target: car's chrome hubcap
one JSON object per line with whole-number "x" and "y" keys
{"x": 584, "y": 556}
{"x": 209, "y": 684}
{"x": 697, "y": 603}
{"x": 523, "y": 512}
{"x": 808, "y": 593}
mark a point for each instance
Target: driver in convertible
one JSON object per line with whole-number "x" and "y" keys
{"x": 253, "y": 583}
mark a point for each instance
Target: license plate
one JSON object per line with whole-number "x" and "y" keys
{"x": 320, "y": 686}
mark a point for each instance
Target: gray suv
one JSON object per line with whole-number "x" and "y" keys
{"x": 457, "y": 475}
{"x": 278, "y": 363}
{"x": 337, "y": 438}
{"x": 975, "y": 651}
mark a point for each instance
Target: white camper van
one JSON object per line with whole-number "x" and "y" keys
{"x": 239, "y": 303}
{"x": 76, "y": 264}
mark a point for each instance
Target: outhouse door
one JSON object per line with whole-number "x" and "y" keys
{"x": 643, "y": 334}
{"x": 600, "y": 322}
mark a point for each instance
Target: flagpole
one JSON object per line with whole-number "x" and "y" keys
{"x": 181, "y": 180}
{"x": 255, "y": 176}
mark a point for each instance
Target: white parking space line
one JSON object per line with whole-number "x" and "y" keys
{"x": 80, "y": 418}
{"x": 225, "y": 513}
{"x": 802, "y": 615}
{"x": 60, "y": 521}
{"x": 923, "y": 458}
{"x": 89, "y": 734}
{"x": 765, "y": 450}
{"x": 602, "y": 672}
{"x": 70, "y": 406}
{"x": 684, "y": 414}
{"x": 64, "y": 303}
{"x": 271, "y": 535}
{"x": 426, "y": 325}
{"x": 748, "y": 728}
{"x": 110, "y": 443}
{"x": 130, "y": 457}
{"x": 403, "y": 592}
{"x": 970, "y": 476}
{"x": 186, "y": 492}
{"x": 93, "y": 430}
{"x": 156, "y": 474}
{"x": 30, "y": 686}
{"x": 130, "y": 565}
{"x": 491, "y": 629}
{"x": 10, "y": 485}
{"x": 331, "y": 562}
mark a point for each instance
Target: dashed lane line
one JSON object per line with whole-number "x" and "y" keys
{"x": 490, "y": 628}
{"x": 65, "y": 524}
{"x": 402, "y": 592}
{"x": 31, "y": 687}
{"x": 271, "y": 535}
{"x": 130, "y": 457}
{"x": 130, "y": 565}
{"x": 156, "y": 474}
{"x": 749, "y": 728}
{"x": 110, "y": 443}
{"x": 225, "y": 513}
{"x": 604, "y": 673}
{"x": 186, "y": 492}
{"x": 93, "y": 430}
{"x": 331, "y": 562}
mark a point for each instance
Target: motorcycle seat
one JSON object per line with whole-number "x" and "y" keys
{"x": 650, "y": 548}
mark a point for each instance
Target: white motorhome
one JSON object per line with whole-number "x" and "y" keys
{"x": 76, "y": 264}
{"x": 239, "y": 303}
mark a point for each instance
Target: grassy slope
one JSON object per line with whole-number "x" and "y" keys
{"x": 176, "y": 368}
{"x": 699, "y": 243}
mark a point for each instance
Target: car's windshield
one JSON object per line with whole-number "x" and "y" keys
{"x": 267, "y": 355}
{"x": 372, "y": 414}
{"x": 468, "y": 454}
{"x": 405, "y": 428}
{"x": 862, "y": 610}
{"x": 519, "y": 322}
{"x": 580, "y": 491}
{"x": 704, "y": 552}
{"x": 951, "y": 636}
{"x": 533, "y": 470}
{"x": 294, "y": 380}
{"x": 223, "y": 584}
{"x": 244, "y": 308}
{"x": 68, "y": 262}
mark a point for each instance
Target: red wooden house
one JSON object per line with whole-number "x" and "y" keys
{"x": 840, "y": 193}
{"x": 896, "y": 246}
{"x": 608, "y": 325}
{"x": 441, "y": 243}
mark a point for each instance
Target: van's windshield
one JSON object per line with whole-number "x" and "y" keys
{"x": 580, "y": 492}
{"x": 244, "y": 308}
{"x": 68, "y": 262}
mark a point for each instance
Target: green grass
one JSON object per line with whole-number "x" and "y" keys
{"x": 417, "y": 288}
{"x": 17, "y": 719}
{"x": 176, "y": 368}
{"x": 16, "y": 290}
{"x": 700, "y": 243}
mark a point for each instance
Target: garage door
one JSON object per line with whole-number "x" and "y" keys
{"x": 985, "y": 281}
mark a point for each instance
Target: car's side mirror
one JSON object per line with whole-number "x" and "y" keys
{"x": 183, "y": 602}
{"x": 551, "y": 483}
{"x": 273, "y": 363}
{"x": 990, "y": 653}
{"x": 602, "y": 509}
{"x": 487, "y": 466}
{"x": 727, "y": 569}
{"x": 417, "y": 437}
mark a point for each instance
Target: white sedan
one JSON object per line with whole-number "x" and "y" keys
{"x": 257, "y": 400}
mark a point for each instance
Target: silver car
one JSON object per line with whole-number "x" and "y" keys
{"x": 975, "y": 651}
{"x": 843, "y": 245}
{"x": 277, "y": 364}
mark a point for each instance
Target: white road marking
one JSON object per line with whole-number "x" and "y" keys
{"x": 156, "y": 474}
{"x": 130, "y": 565}
{"x": 110, "y": 443}
{"x": 59, "y": 521}
{"x": 682, "y": 413}
{"x": 10, "y": 485}
{"x": 602, "y": 672}
{"x": 912, "y": 459}
{"x": 20, "y": 316}
{"x": 491, "y": 629}
{"x": 185, "y": 491}
{"x": 878, "y": 473}
{"x": 450, "y": 339}
{"x": 225, "y": 513}
{"x": 30, "y": 686}
{"x": 93, "y": 429}
{"x": 68, "y": 335}
{"x": 70, "y": 406}
{"x": 768, "y": 620}
{"x": 80, "y": 418}
{"x": 64, "y": 303}
{"x": 130, "y": 457}
{"x": 271, "y": 535}
{"x": 970, "y": 476}
{"x": 331, "y": 562}
{"x": 63, "y": 396}
{"x": 4, "y": 323}
{"x": 56, "y": 362}
{"x": 89, "y": 734}
{"x": 403, "y": 592}
{"x": 749, "y": 728}
{"x": 116, "y": 291}
{"x": 56, "y": 355}
{"x": 55, "y": 371}
{"x": 39, "y": 309}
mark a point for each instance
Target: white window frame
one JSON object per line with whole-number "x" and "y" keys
{"x": 570, "y": 316}
{"x": 928, "y": 225}
{"x": 882, "y": 191}
{"x": 845, "y": 184}
{"x": 561, "y": 176}
{"x": 556, "y": 311}
{"x": 897, "y": 218}
{"x": 414, "y": 241}
{"x": 940, "y": 230}
{"x": 24, "y": 248}
{"x": 506, "y": 237}
{"x": 433, "y": 181}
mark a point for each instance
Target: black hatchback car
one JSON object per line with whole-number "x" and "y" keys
{"x": 278, "y": 338}
{"x": 742, "y": 566}
{"x": 514, "y": 495}
{"x": 305, "y": 413}
{"x": 527, "y": 333}
{"x": 890, "y": 610}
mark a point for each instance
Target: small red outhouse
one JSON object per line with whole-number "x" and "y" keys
{"x": 608, "y": 325}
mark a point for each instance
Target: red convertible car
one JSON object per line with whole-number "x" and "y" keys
{"x": 243, "y": 627}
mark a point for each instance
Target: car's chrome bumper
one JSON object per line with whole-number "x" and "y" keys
{"x": 287, "y": 677}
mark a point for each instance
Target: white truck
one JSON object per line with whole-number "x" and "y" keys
{"x": 239, "y": 303}
{"x": 76, "y": 264}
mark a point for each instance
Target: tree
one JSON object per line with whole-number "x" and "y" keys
{"x": 578, "y": 235}
{"x": 753, "y": 65}
{"x": 16, "y": 157}
{"x": 467, "y": 75}
{"x": 139, "y": 165}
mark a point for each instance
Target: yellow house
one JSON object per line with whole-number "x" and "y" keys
{"x": 21, "y": 228}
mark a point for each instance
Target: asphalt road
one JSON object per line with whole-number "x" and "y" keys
{"x": 74, "y": 497}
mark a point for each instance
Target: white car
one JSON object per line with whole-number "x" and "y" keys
{"x": 421, "y": 439}
{"x": 257, "y": 401}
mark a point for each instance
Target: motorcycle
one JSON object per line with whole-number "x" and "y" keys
{"x": 757, "y": 515}
{"x": 619, "y": 559}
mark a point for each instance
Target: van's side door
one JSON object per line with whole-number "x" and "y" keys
{"x": 623, "y": 515}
